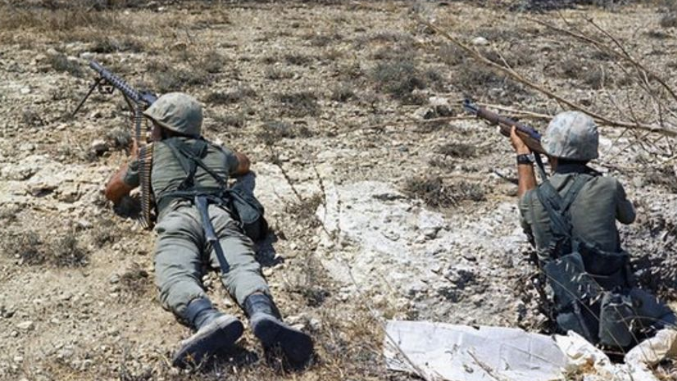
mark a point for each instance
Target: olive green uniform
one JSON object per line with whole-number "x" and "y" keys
{"x": 181, "y": 248}
{"x": 599, "y": 204}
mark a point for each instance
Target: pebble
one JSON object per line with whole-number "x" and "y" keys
{"x": 99, "y": 146}
{"x": 25, "y": 90}
{"x": 26, "y": 325}
{"x": 268, "y": 271}
{"x": 480, "y": 41}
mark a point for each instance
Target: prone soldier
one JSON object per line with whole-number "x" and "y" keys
{"x": 188, "y": 180}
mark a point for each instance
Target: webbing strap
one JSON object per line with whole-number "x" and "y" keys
{"x": 190, "y": 158}
{"x": 558, "y": 211}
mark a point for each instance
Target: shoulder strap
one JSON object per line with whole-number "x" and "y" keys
{"x": 558, "y": 212}
{"x": 190, "y": 158}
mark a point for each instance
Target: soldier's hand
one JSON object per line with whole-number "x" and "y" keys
{"x": 517, "y": 142}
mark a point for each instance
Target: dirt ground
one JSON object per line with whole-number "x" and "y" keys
{"x": 332, "y": 101}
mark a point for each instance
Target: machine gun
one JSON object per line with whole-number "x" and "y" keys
{"x": 138, "y": 101}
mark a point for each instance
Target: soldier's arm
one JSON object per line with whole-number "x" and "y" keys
{"x": 526, "y": 179}
{"x": 123, "y": 181}
{"x": 625, "y": 211}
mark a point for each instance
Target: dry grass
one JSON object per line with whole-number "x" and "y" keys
{"x": 61, "y": 63}
{"x": 461, "y": 150}
{"x": 170, "y": 78}
{"x": 399, "y": 78}
{"x": 298, "y": 104}
{"x": 31, "y": 249}
{"x": 435, "y": 193}
{"x": 230, "y": 97}
{"x": 342, "y": 93}
{"x": 271, "y": 132}
{"x": 663, "y": 176}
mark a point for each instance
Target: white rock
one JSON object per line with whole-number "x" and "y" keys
{"x": 25, "y": 90}
{"x": 26, "y": 325}
{"x": 480, "y": 41}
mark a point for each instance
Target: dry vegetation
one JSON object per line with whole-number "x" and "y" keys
{"x": 289, "y": 83}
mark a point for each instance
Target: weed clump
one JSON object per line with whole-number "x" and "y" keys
{"x": 111, "y": 45}
{"x": 135, "y": 280}
{"x": 104, "y": 234}
{"x": 32, "y": 118}
{"x": 669, "y": 20}
{"x": 67, "y": 252}
{"x": 435, "y": 193}
{"x": 28, "y": 249}
{"x": 271, "y": 132}
{"x": 451, "y": 54}
{"x": 61, "y": 63}
{"x": 168, "y": 79}
{"x": 663, "y": 176}
{"x": 119, "y": 139}
{"x": 298, "y": 59}
{"x": 299, "y": 104}
{"x": 399, "y": 79}
{"x": 276, "y": 73}
{"x": 342, "y": 93}
{"x": 213, "y": 62}
{"x": 230, "y": 97}
{"x": 457, "y": 150}
{"x": 237, "y": 120}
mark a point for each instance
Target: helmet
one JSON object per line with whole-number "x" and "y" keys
{"x": 178, "y": 112}
{"x": 571, "y": 135}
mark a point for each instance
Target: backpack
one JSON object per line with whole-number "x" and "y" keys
{"x": 590, "y": 287}
{"x": 244, "y": 206}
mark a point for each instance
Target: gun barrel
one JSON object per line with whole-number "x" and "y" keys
{"x": 119, "y": 83}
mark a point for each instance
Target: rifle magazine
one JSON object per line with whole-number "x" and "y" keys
{"x": 147, "y": 202}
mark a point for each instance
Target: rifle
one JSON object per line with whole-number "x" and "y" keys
{"x": 530, "y": 136}
{"x": 138, "y": 101}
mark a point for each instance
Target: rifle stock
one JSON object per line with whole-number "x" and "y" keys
{"x": 530, "y": 136}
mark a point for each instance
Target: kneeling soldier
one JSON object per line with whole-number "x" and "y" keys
{"x": 571, "y": 218}
{"x": 188, "y": 181}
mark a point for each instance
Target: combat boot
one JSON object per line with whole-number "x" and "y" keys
{"x": 267, "y": 325}
{"x": 215, "y": 333}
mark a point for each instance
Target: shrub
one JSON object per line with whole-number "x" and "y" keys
{"x": 299, "y": 104}
{"x": 398, "y": 78}
{"x": 61, "y": 63}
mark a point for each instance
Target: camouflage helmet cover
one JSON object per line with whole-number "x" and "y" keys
{"x": 572, "y": 135}
{"x": 178, "y": 112}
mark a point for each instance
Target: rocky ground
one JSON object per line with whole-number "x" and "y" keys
{"x": 384, "y": 198}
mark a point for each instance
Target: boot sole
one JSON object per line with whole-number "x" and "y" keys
{"x": 296, "y": 345}
{"x": 216, "y": 337}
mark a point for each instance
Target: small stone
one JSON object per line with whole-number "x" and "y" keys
{"x": 99, "y": 147}
{"x": 268, "y": 271}
{"x": 14, "y": 334}
{"x": 25, "y": 90}
{"x": 480, "y": 41}
{"x": 27, "y": 147}
{"x": 18, "y": 359}
{"x": 115, "y": 278}
{"x": 26, "y": 325}
{"x": 84, "y": 224}
{"x": 315, "y": 324}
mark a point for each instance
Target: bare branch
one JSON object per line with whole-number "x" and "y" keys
{"x": 601, "y": 119}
